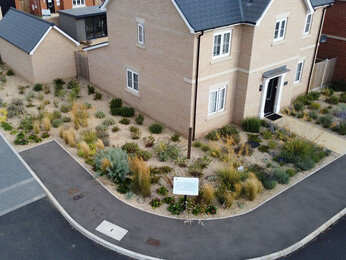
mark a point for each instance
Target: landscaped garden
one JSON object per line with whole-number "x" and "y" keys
{"x": 326, "y": 108}
{"x": 136, "y": 158}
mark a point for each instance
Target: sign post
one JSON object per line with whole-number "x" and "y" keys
{"x": 185, "y": 186}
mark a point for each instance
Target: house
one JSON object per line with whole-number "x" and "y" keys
{"x": 84, "y": 24}
{"x": 7, "y": 4}
{"x": 204, "y": 64}
{"x": 36, "y": 49}
{"x": 55, "y": 5}
{"x": 335, "y": 30}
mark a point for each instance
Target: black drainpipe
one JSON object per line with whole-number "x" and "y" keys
{"x": 316, "y": 48}
{"x": 196, "y": 86}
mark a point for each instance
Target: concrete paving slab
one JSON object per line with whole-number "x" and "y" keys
{"x": 274, "y": 226}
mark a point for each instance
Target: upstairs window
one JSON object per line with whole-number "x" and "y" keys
{"x": 141, "y": 33}
{"x": 222, "y": 44}
{"x": 307, "y": 26}
{"x": 280, "y": 30}
{"x": 132, "y": 80}
{"x": 299, "y": 72}
{"x": 217, "y": 100}
{"x": 77, "y": 3}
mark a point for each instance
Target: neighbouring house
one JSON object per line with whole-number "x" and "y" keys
{"x": 204, "y": 64}
{"x": 53, "y": 6}
{"x": 84, "y": 24}
{"x": 36, "y": 49}
{"x": 334, "y": 29}
{"x": 7, "y": 4}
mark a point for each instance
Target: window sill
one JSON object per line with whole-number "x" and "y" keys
{"x": 215, "y": 115}
{"x": 306, "y": 36}
{"x": 221, "y": 59}
{"x": 78, "y": 6}
{"x": 136, "y": 94}
{"x": 141, "y": 46}
{"x": 278, "y": 43}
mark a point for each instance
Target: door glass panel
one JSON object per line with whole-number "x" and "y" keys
{"x": 89, "y": 28}
{"x": 97, "y": 26}
{"x": 104, "y": 25}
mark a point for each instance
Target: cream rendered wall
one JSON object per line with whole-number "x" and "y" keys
{"x": 17, "y": 59}
{"x": 267, "y": 54}
{"x": 54, "y": 58}
{"x": 162, "y": 65}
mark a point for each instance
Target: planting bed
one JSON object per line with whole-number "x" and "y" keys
{"x": 110, "y": 138}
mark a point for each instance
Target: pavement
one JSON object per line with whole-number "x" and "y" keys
{"x": 274, "y": 226}
{"x": 334, "y": 142}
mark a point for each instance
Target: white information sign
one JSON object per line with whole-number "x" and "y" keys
{"x": 185, "y": 186}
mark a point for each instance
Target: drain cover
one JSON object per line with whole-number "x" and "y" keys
{"x": 153, "y": 242}
{"x": 78, "y": 197}
{"x": 74, "y": 191}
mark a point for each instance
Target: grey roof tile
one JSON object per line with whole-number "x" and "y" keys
{"x": 23, "y": 30}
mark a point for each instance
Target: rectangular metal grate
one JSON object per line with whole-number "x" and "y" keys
{"x": 153, "y": 242}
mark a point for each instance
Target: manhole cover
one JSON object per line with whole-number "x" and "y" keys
{"x": 74, "y": 191}
{"x": 78, "y": 197}
{"x": 153, "y": 242}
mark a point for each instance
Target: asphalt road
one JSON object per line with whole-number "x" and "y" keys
{"x": 39, "y": 231}
{"x": 329, "y": 245}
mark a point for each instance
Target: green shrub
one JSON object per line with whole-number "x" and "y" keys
{"x": 130, "y": 147}
{"x": 139, "y": 119}
{"x": 115, "y": 129}
{"x": 166, "y": 150}
{"x": 26, "y": 123}
{"x": 205, "y": 147}
{"x": 267, "y": 134}
{"x": 116, "y": 111}
{"x": 97, "y": 96}
{"x": 116, "y": 103}
{"x": 263, "y": 148}
{"x": 100, "y": 114}
{"x": 313, "y": 115}
{"x": 315, "y": 106}
{"x": 156, "y": 128}
{"x": 6, "y": 126}
{"x": 155, "y": 203}
{"x": 123, "y": 188}
{"x": 65, "y": 108}
{"x": 57, "y": 123}
{"x": 127, "y": 112}
{"x": 272, "y": 144}
{"x": 210, "y": 210}
{"x": 298, "y": 147}
{"x": 101, "y": 127}
{"x": 135, "y": 132}
{"x": 324, "y": 111}
{"x": 112, "y": 162}
{"x": 291, "y": 172}
{"x": 145, "y": 155}
{"x": 269, "y": 184}
{"x": 196, "y": 144}
{"x": 10, "y": 72}
{"x": 124, "y": 121}
{"x": 254, "y": 138}
{"x": 306, "y": 164}
{"x": 340, "y": 111}
{"x": 298, "y": 105}
{"x": 251, "y": 124}
{"x": 168, "y": 200}
{"x": 339, "y": 85}
{"x": 108, "y": 122}
{"x": 281, "y": 176}
{"x": 305, "y": 99}
{"x": 333, "y": 100}
{"x": 45, "y": 135}
{"x": 175, "y": 137}
{"x": 59, "y": 81}
{"x": 177, "y": 208}
{"x": 37, "y": 87}
{"x": 162, "y": 191}
{"x": 66, "y": 119}
{"x": 228, "y": 130}
{"x": 212, "y": 136}
{"x": 342, "y": 97}
{"x": 342, "y": 128}
{"x": 314, "y": 95}
{"x": 91, "y": 90}
{"x": 326, "y": 121}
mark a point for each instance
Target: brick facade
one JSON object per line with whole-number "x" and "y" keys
{"x": 334, "y": 27}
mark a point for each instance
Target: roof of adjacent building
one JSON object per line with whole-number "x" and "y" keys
{"x": 84, "y": 11}
{"x": 209, "y": 14}
{"x": 22, "y": 29}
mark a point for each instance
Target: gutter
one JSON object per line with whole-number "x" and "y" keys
{"x": 316, "y": 47}
{"x": 196, "y": 86}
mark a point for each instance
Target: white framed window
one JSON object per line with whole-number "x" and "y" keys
{"x": 280, "y": 29}
{"x": 217, "y": 100}
{"x": 76, "y": 3}
{"x": 299, "y": 72}
{"x": 132, "y": 80}
{"x": 222, "y": 44}
{"x": 307, "y": 26}
{"x": 141, "y": 33}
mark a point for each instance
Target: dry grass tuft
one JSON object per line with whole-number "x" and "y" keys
{"x": 105, "y": 163}
{"x": 238, "y": 188}
{"x": 65, "y": 136}
{"x": 84, "y": 148}
{"x": 46, "y": 123}
{"x": 229, "y": 198}
{"x": 141, "y": 176}
{"x": 208, "y": 194}
{"x": 71, "y": 137}
{"x": 36, "y": 126}
{"x": 61, "y": 131}
{"x": 252, "y": 187}
{"x": 100, "y": 145}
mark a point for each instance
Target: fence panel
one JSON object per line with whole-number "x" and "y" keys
{"x": 82, "y": 66}
{"x": 323, "y": 73}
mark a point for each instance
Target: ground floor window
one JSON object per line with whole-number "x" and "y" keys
{"x": 132, "y": 80}
{"x": 76, "y": 3}
{"x": 299, "y": 72}
{"x": 217, "y": 100}
{"x": 96, "y": 27}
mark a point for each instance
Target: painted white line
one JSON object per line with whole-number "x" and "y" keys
{"x": 305, "y": 240}
{"x": 17, "y": 185}
{"x": 75, "y": 224}
{"x": 22, "y": 204}
{"x": 111, "y": 230}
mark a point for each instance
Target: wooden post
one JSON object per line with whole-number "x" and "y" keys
{"x": 189, "y": 144}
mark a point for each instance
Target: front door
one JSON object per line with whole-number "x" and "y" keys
{"x": 50, "y": 5}
{"x": 271, "y": 94}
